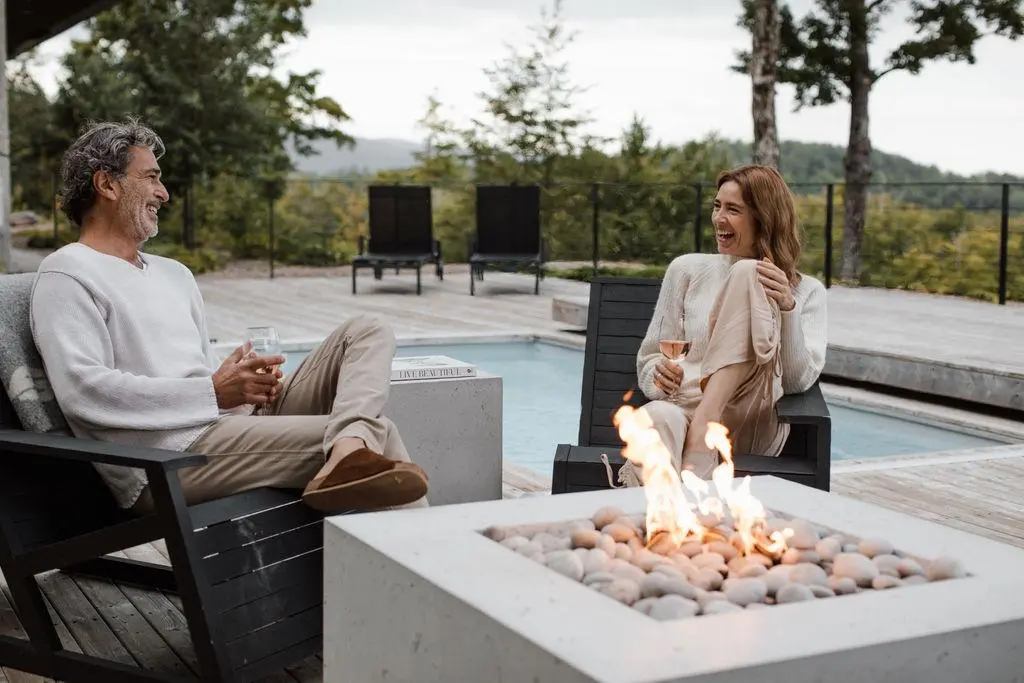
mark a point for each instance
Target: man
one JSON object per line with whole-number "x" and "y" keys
{"x": 124, "y": 340}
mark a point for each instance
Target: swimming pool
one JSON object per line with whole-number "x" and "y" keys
{"x": 541, "y": 399}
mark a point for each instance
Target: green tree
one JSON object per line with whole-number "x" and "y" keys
{"x": 530, "y": 115}
{"x": 826, "y": 55}
{"x": 439, "y": 159}
{"x": 201, "y": 72}
{"x": 648, "y": 206}
{"x": 35, "y": 147}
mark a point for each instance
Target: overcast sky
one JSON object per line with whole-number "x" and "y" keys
{"x": 667, "y": 60}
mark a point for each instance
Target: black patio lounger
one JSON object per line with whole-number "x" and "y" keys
{"x": 401, "y": 233}
{"x": 508, "y": 232}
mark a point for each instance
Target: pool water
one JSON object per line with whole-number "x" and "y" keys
{"x": 541, "y": 398}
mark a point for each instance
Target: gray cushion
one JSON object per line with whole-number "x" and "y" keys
{"x": 21, "y": 368}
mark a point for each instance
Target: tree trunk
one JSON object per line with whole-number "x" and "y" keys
{"x": 858, "y": 149}
{"x": 764, "y": 67}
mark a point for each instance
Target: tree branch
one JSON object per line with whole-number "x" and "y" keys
{"x": 872, "y": 5}
{"x": 883, "y": 72}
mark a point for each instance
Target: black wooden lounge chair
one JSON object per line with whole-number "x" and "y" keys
{"x": 401, "y": 233}
{"x": 620, "y": 311}
{"x": 248, "y": 568}
{"x": 507, "y": 232}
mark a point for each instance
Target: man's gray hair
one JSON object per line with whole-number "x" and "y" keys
{"x": 102, "y": 147}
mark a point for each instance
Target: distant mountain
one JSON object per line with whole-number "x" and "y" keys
{"x": 802, "y": 162}
{"x": 368, "y": 156}
{"x": 818, "y": 163}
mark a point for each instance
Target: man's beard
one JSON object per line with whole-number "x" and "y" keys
{"x": 144, "y": 233}
{"x": 141, "y": 229}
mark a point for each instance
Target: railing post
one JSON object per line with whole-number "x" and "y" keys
{"x": 698, "y": 218}
{"x": 270, "y": 236}
{"x": 829, "y": 206}
{"x": 1004, "y": 242}
{"x": 595, "y": 223}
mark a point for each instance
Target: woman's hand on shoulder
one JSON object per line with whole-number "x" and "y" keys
{"x": 775, "y": 284}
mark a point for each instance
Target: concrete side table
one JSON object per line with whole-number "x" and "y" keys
{"x": 452, "y": 429}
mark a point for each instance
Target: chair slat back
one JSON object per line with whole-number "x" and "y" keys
{"x": 508, "y": 220}
{"x": 620, "y": 311}
{"x": 401, "y": 220}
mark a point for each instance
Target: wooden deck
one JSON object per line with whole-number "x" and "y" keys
{"x": 311, "y": 307}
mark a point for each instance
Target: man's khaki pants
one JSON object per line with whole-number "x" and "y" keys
{"x": 339, "y": 390}
{"x": 745, "y": 329}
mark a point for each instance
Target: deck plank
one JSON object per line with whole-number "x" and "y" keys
{"x": 10, "y": 626}
{"x": 162, "y": 611}
{"x": 131, "y": 627}
{"x": 86, "y": 625}
{"x": 309, "y": 670}
{"x": 310, "y": 307}
{"x": 980, "y": 496}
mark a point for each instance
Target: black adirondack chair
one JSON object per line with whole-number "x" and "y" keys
{"x": 401, "y": 233}
{"x": 508, "y": 232}
{"x": 620, "y": 311}
{"x": 248, "y": 568}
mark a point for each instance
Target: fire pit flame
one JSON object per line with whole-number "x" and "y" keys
{"x": 672, "y": 517}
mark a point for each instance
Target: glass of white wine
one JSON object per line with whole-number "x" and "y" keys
{"x": 264, "y": 340}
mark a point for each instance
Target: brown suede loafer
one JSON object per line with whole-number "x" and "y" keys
{"x": 365, "y": 480}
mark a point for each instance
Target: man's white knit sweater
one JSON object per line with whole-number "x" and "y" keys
{"x": 688, "y": 292}
{"x": 127, "y": 352}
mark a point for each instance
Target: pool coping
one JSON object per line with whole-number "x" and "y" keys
{"x": 555, "y": 339}
{"x": 976, "y": 424}
{"x": 929, "y": 459}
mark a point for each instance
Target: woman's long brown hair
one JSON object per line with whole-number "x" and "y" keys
{"x": 769, "y": 198}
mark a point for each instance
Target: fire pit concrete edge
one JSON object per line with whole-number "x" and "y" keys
{"x": 423, "y": 596}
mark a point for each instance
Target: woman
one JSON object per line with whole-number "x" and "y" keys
{"x": 756, "y": 327}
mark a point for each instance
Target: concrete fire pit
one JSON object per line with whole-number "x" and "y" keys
{"x": 424, "y": 595}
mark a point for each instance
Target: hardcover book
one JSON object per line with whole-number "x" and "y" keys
{"x": 430, "y": 367}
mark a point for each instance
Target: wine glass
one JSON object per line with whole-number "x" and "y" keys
{"x": 264, "y": 340}
{"x": 674, "y": 350}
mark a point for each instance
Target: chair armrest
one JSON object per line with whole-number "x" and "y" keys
{"x": 806, "y": 408}
{"x": 437, "y": 249}
{"x": 17, "y": 442}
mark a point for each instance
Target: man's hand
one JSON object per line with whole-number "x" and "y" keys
{"x": 775, "y": 284}
{"x": 668, "y": 376}
{"x": 246, "y": 378}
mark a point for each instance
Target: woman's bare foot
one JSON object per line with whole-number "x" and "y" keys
{"x": 696, "y": 456}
